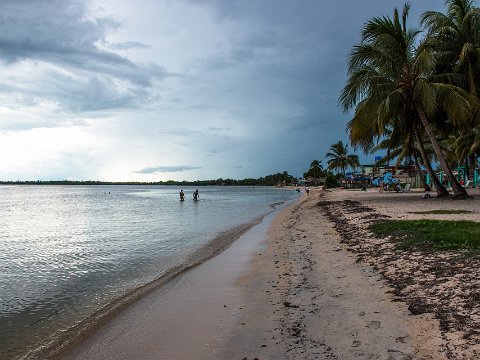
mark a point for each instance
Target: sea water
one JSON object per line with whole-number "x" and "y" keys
{"x": 68, "y": 251}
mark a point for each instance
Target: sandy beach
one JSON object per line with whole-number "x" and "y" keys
{"x": 311, "y": 283}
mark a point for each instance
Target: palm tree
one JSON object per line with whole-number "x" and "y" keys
{"x": 339, "y": 158}
{"x": 390, "y": 78}
{"x": 316, "y": 169}
{"x": 440, "y": 189}
{"x": 455, "y": 39}
{"x": 365, "y": 133}
{"x": 464, "y": 147}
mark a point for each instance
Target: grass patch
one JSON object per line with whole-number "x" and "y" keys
{"x": 431, "y": 234}
{"x": 442, "y": 212}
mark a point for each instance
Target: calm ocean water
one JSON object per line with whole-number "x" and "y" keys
{"x": 67, "y": 251}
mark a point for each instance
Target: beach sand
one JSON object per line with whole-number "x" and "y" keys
{"x": 445, "y": 284}
{"x": 312, "y": 283}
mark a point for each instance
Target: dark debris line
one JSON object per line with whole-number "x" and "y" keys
{"x": 416, "y": 278}
{"x": 299, "y": 264}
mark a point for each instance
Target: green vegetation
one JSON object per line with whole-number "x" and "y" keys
{"x": 339, "y": 158}
{"x": 315, "y": 171}
{"x": 332, "y": 181}
{"x": 442, "y": 212}
{"x": 418, "y": 97}
{"x": 431, "y": 234}
{"x": 269, "y": 180}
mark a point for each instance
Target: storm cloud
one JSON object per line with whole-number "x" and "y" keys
{"x": 65, "y": 44}
{"x": 236, "y": 89}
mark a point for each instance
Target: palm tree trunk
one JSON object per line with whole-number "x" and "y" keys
{"x": 439, "y": 188}
{"x": 467, "y": 168}
{"x": 420, "y": 171}
{"x": 413, "y": 151}
{"x": 458, "y": 189}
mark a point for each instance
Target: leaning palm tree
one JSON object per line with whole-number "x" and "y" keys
{"x": 391, "y": 77}
{"x": 403, "y": 150}
{"x": 464, "y": 146}
{"x": 454, "y": 38}
{"x": 339, "y": 159}
{"x": 364, "y": 133}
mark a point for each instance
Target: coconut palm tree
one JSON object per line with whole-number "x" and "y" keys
{"x": 428, "y": 155}
{"x": 464, "y": 147}
{"x": 316, "y": 169}
{"x": 390, "y": 77}
{"x": 365, "y": 133}
{"x": 339, "y": 159}
{"x": 455, "y": 39}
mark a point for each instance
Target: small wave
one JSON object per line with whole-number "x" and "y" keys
{"x": 62, "y": 341}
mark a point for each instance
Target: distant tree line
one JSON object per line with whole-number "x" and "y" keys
{"x": 270, "y": 180}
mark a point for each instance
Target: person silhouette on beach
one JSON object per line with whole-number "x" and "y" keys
{"x": 196, "y": 195}
{"x": 182, "y": 195}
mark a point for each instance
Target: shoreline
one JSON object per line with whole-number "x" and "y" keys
{"x": 62, "y": 342}
{"x": 311, "y": 298}
{"x": 315, "y": 284}
{"x": 195, "y": 309}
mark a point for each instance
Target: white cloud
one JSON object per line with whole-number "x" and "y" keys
{"x": 57, "y": 51}
{"x": 166, "y": 169}
{"x": 117, "y": 90}
{"x": 50, "y": 153}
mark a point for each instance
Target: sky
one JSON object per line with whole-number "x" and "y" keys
{"x": 153, "y": 90}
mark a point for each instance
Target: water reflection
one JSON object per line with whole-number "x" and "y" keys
{"x": 66, "y": 251}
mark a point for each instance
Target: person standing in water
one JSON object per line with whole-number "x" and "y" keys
{"x": 196, "y": 195}
{"x": 182, "y": 195}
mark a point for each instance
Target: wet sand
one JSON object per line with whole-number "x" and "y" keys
{"x": 312, "y": 299}
{"x": 189, "y": 318}
{"x": 313, "y": 285}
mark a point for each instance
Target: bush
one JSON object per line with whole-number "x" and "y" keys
{"x": 331, "y": 180}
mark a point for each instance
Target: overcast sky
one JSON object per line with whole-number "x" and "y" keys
{"x": 151, "y": 90}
